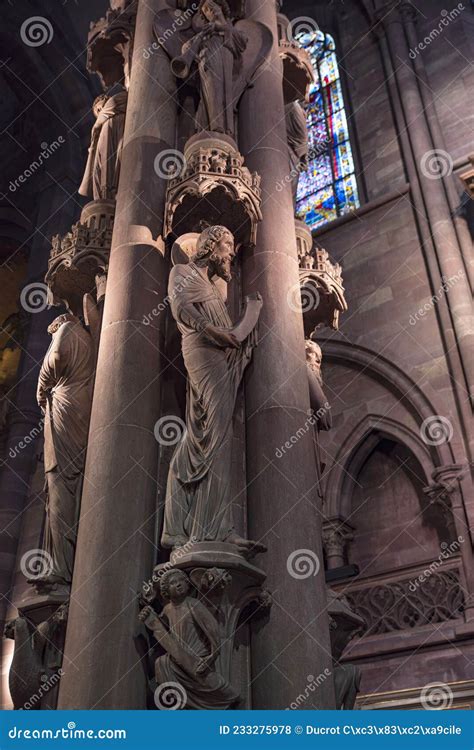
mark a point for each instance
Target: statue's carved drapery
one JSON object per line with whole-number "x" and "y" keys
{"x": 102, "y": 170}
{"x": 64, "y": 394}
{"x": 198, "y": 502}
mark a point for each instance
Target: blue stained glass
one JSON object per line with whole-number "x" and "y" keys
{"x": 328, "y": 188}
{"x": 333, "y": 100}
{"x": 346, "y": 193}
{"x": 318, "y": 174}
{"x": 343, "y": 163}
{"x": 318, "y": 208}
{"x": 328, "y": 69}
{"x": 338, "y": 126}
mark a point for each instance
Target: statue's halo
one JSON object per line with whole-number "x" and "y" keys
{"x": 184, "y": 248}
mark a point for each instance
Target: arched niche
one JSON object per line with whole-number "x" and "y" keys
{"x": 394, "y": 524}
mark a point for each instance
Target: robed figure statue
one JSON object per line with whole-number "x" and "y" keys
{"x": 217, "y": 48}
{"x": 64, "y": 395}
{"x": 101, "y": 175}
{"x": 198, "y": 495}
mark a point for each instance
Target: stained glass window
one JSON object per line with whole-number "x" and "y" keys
{"x": 328, "y": 188}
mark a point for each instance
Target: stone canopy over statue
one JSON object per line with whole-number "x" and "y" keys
{"x": 223, "y": 55}
{"x": 215, "y": 353}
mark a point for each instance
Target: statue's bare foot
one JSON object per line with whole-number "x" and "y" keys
{"x": 246, "y": 547}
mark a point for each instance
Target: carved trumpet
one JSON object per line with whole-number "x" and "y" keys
{"x": 181, "y": 65}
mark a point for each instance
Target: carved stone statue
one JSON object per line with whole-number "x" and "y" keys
{"x": 102, "y": 171}
{"x": 64, "y": 395}
{"x": 198, "y": 498}
{"x": 318, "y": 400}
{"x": 217, "y": 48}
{"x": 297, "y": 137}
{"x": 190, "y": 635}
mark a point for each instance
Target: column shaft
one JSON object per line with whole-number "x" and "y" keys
{"x": 115, "y": 547}
{"x": 282, "y": 496}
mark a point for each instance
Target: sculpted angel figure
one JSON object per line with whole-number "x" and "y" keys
{"x": 217, "y": 48}
{"x": 102, "y": 171}
{"x": 64, "y": 394}
{"x": 198, "y": 497}
{"x": 190, "y": 635}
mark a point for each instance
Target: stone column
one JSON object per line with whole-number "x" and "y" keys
{"x": 436, "y": 206}
{"x": 282, "y": 508}
{"x": 115, "y": 546}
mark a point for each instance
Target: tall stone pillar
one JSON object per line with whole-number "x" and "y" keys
{"x": 437, "y": 209}
{"x": 282, "y": 494}
{"x": 115, "y": 546}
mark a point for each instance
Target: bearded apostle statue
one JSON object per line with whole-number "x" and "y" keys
{"x": 102, "y": 171}
{"x": 64, "y": 394}
{"x": 216, "y": 353}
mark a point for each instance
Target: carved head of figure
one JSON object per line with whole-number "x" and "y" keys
{"x": 174, "y": 586}
{"x": 215, "y": 248}
{"x": 214, "y": 10}
{"x": 314, "y": 356}
{"x": 58, "y": 322}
